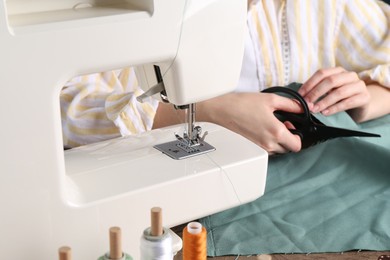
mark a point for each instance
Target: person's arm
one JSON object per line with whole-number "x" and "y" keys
{"x": 248, "y": 114}
{"x": 102, "y": 106}
{"x": 379, "y": 105}
{"x": 167, "y": 115}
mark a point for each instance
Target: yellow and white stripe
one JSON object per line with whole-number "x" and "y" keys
{"x": 102, "y": 106}
{"x": 354, "y": 34}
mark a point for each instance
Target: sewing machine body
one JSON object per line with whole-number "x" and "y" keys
{"x": 52, "y": 198}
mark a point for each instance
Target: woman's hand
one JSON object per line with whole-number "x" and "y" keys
{"x": 251, "y": 115}
{"x": 333, "y": 90}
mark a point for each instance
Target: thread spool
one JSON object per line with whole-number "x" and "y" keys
{"x": 115, "y": 252}
{"x": 194, "y": 242}
{"x": 65, "y": 253}
{"x": 156, "y": 241}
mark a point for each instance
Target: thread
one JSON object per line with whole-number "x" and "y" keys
{"x": 156, "y": 242}
{"x": 228, "y": 178}
{"x": 156, "y": 247}
{"x": 123, "y": 257}
{"x": 194, "y": 242}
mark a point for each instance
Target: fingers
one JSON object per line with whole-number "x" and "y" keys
{"x": 329, "y": 83}
{"x": 346, "y": 104}
{"x": 333, "y": 90}
{"x": 317, "y": 77}
{"x": 279, "y": 139}
{"x": 282, "y": 140}
{"x": 253, "y": 117}
{"x": 292, "y": 144}
{"x": 342, "y": 99}
{"x": 289, "y": 141}
{"x": 284, "y": 103}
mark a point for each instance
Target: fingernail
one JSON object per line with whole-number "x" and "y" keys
{"x": 325, "y": 112}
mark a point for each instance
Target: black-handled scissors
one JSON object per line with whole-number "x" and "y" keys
{"x": 311, "y": 130}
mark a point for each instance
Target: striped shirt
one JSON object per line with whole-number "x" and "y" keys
{"x": 102, "y": 106}
{"x": 289, "y": 40}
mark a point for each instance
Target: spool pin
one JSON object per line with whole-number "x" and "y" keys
{"x": 115, "y": 243}
{"x": 115, "y": 252}
{"x": 65, "y": 253}
{"x": 156, "y": 227}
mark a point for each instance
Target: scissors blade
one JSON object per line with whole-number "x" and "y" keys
{"x": 330, "y": 132}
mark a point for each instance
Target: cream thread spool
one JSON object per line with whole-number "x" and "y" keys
{"x": 115, "y": 252}
{"x": 156, "y": 241}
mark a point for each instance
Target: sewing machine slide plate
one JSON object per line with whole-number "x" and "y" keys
{"x": 179, "y": 150}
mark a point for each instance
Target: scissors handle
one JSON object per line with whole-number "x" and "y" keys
{"x": 292, "y": 117}
{"x": 294, "y": 94}
{"x": 296, "y": 132}
{"x": 311, "y": 130}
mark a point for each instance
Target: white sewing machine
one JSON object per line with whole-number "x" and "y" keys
{"x": 51, "y": 198}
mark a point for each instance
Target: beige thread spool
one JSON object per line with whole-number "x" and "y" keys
{"x": 65, "y": 253}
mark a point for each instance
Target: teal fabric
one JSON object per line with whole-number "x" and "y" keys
{"x": 332, "y": 197}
